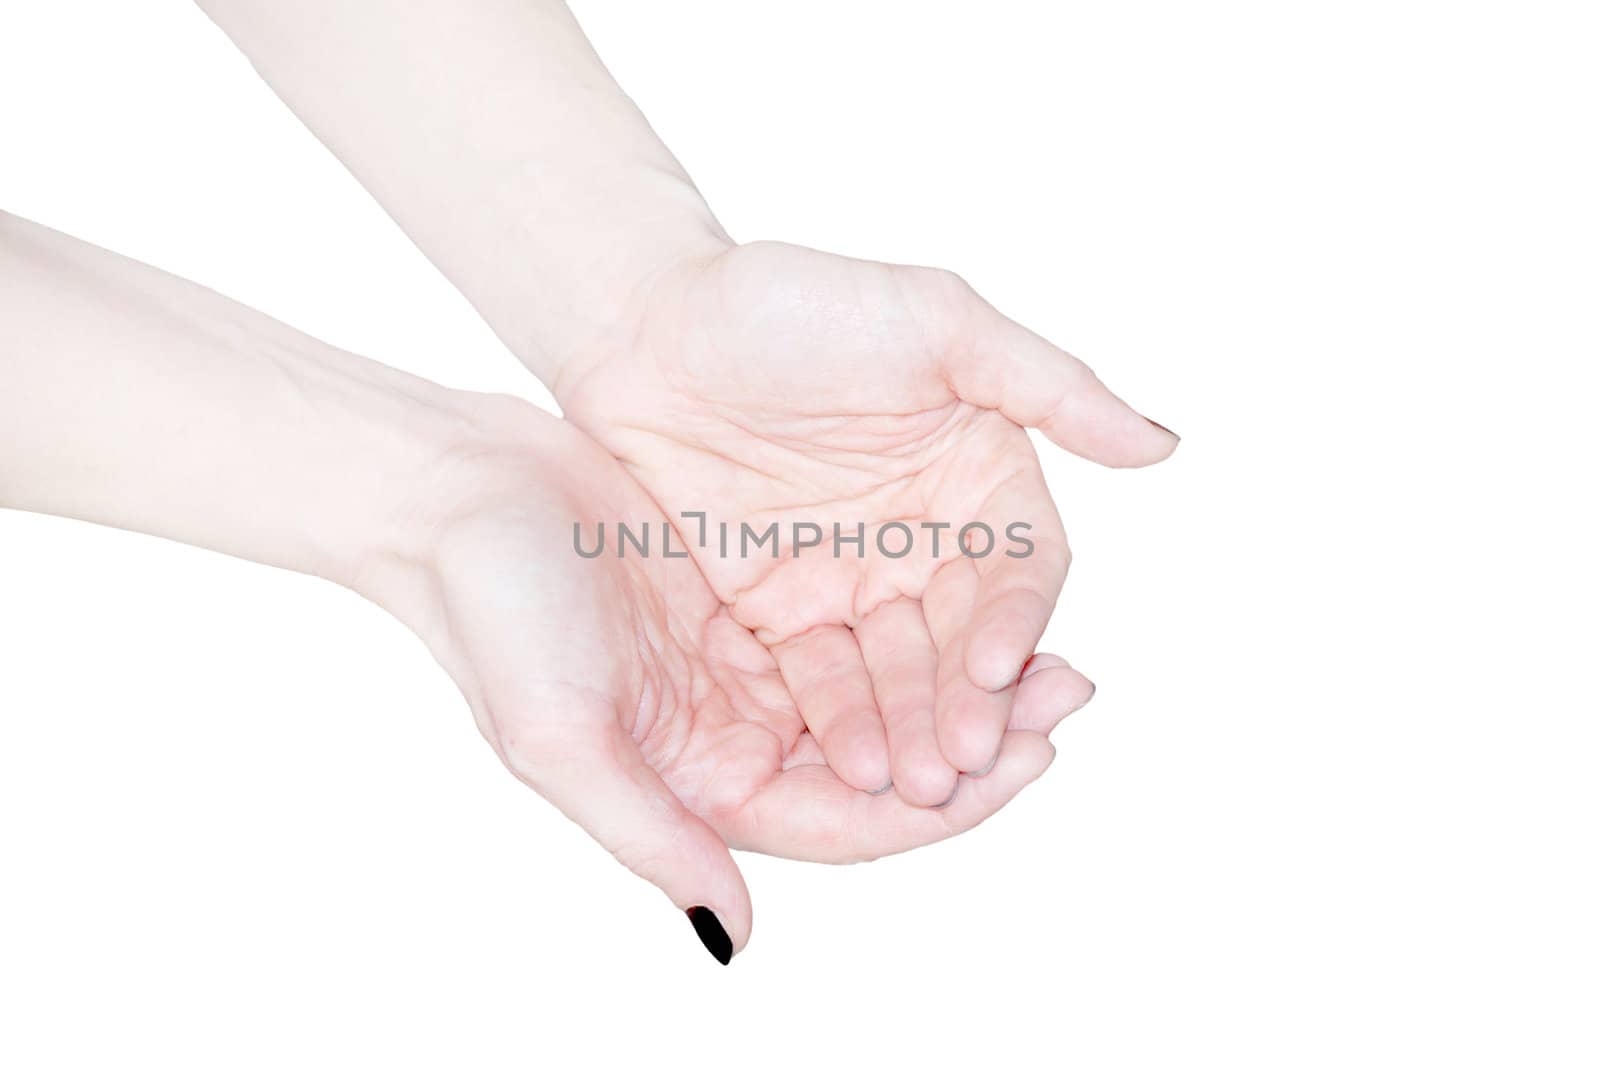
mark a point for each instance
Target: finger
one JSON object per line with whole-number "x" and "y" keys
{"x": 829, "y": 682}
{"x": 1049, "y": 691}
{"x": 903, "y": 663}
{"x": 808, "y": 813}
{"x": 968, "y": 721}
{"x": 598, "y": 778}
{"x": 999, "y": 364}
{"x": 1019, "y": 579}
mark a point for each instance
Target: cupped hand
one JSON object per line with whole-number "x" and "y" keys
{"x": 625, "y": 692}
{"x": 773, "y": 383}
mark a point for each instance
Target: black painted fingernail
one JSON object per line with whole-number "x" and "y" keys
{"x": 711, "y": 933}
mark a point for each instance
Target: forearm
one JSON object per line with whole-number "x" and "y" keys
{"x": 131, "y": 398}
{"x": 493, "y": 134}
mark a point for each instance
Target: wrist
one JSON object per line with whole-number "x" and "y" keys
{"x": 456, "y": 457}
{"x": 625, "y": 314}
{"x": 408, "y": 459}
{"x": 577, "y": 299}
{"x": 338, "y": 466}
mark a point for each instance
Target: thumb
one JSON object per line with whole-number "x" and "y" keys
{"x": 599, "y": 779}
{"x": 999, "y": 364}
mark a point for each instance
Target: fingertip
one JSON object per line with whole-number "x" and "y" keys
{"x": 988, "y": 767}
{"x": 1150, "y": 444}
{"x": 1050, "y": 690}
{"x": 926, "y": 782}
{"x": 1047, "y": 753}
{"x": 1001, "y": 641}
{"x": 1166, "y": 445}
{"x": 1030, "y": 755}
{"x": 991, "y": 666}
{"x": 1109, "y": 432}
{"x": 968, "y": 743}
{"x": 859, "y": 754}
{"x": 713, "y": 935}
{"x": 1176, "y": 438}
{"x": 711, "y": 889}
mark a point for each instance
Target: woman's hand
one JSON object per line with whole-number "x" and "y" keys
{"x": 778, "y": 384}
{"x": 623, "y": 690}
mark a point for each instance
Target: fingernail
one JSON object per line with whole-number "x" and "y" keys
{"x": 1164, "y": 428}
{"x": 986, "y": 769}
{"x": 884, "y": 789}
{"x": 952, "y": 799}
{"x": 1093, "y": 688}
{"x": 711, "y": 934}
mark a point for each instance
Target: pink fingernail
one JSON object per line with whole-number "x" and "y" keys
{"x": 1163, "y": 427}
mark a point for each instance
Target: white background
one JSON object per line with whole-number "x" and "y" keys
{"x": 1335, "y": 804}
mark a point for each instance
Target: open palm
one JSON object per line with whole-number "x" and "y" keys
{"x": 624, "y": 691}
{"x": 779, "y": 384}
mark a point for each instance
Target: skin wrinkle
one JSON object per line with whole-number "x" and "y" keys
{"x": 796, "y": 507}
{"x": 668, "y": 685}
{"x": 685, "y": 681}
{"x": 631, "y": 456}
{"x": 862, "y": 598}
{"x": 720, "y": 813}
{"x": 801, "y": 635}
{"x": 569, "y": 377}
{"x": 809, "y": 451}
{"x": 857, "y": 506}
{"x": 864, "y": 578}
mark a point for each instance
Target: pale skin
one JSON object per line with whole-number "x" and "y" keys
{"x": 622, "y": 689}
{"x": 757, "y": 382}
{"x": 821, "y": 707}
